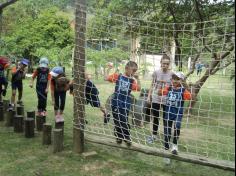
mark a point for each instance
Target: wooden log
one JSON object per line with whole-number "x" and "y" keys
{"x": 18, "y": 123}
{"x": 31, "y": 114}
{"x": 20, "y": 110}
{"x": 225, "y": 165}
{"x": 59, "y": 125}
{"x": 40, "y": 120}
{"x": 47, "y": 134}
{"x": 6, "y": 104}
{"x": 57, "y": 140}
{"x": 29, "y": 127}
{"x": 9, "y": 118}
{"x": 1, "y": 113}
{"x": 5, "y": 107}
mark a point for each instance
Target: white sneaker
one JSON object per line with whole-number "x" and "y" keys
{"x": 166, "y": 161}
{"x": 57, "y": 118}
{"x": 151, "y": 139}
{"x": 174, "y": 149}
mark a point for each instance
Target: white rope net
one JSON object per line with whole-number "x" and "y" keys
{"x": 206, "y": 55}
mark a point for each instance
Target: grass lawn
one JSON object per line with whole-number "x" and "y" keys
{"x": 28, "y": 157}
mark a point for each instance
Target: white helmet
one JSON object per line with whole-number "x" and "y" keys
{"x": 180, "y": 75}
{"x": 43, "y": 62}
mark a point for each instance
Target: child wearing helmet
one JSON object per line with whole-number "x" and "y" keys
{"x": 18, "y": 74}
{"x": 59, "y": 86}
{"x": 4, "y": 64}
{"x": 42, "y": 85}
{"x": 176, "y": 94}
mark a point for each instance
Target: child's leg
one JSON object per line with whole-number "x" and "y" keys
{"x": 156, "y": 117}
{"x": 13, "y": 96}
{"x": 20, "y": 91}
{"x": 117, "y": 122}
{"x": 124, "y": 123}
{"x": 167, "y": 133}
{"x": 56, "y": 105}
{"x": 62, "y": 97}
{"x": 177, "y": 126}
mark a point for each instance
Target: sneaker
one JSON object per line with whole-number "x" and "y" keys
{"x": 44, "y": 113}
{"x": 118, "y": 140}
{"x": 174, "y": 149}
{"x": 11, "y": 107}
{"x": 151, "y": 139}
{"x": 61, "y": 118}
{"x": 128, "y": 142}
{"x": 166, "y": 161}
{"x": 19, "y": 102}
{"x": 57, "y": 118}
{"x": 106, "y": 118}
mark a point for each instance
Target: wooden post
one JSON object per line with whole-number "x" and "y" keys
{"x": 18, "y": 123}
{"x": 1, "y": 113}
{"x": 31, "y": 114}
{"x": 40, "y": 120}
{"x": 5, "y": 107}
{"x": 9, "y": 118}
{"x": 47, "y": 134}
{"x": 79, "y": 77}
{"x": 20, "y": 110}
{"x": 60, "y": 125}
{"x": 6, "y": 104}
{"x": 57, "y": 140}
{"x": 29, "y": 127}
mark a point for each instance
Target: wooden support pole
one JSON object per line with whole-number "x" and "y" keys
{"x": 20, "y": 110}
{"x": 79, "y": 76}
{"x": 47, "y": 134}
{"x": 18, "y": 124}
{"x": 31, "y": 114}
{"x": 1, "y": 113}
{"x": 9, "y": 118}
{"x": 57, "y": 140}
{"x": 40, "y": 120}
{"x": 29, "y": 127}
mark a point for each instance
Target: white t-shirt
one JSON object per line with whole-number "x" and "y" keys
{"x": 160, "y": 80}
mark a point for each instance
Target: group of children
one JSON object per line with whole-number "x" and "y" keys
{"x": 168, "y": 92}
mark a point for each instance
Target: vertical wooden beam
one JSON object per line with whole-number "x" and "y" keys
{"x": 79, "y": 77}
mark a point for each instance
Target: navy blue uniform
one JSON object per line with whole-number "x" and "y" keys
{"x": 121, "y": 103}
{"x": 173, "y": 113}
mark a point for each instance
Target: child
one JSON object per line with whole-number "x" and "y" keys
{"x": 4, "y": 64}
{"x": 59, "y": 86}
{"x": 18, "y": 74}
{"x": 91, "y": 95}
{"x": 42, "y": 84}
{"x": 160, "y": 79}
{"x": 121, "y": 101}
{"x": 176, "y": 94}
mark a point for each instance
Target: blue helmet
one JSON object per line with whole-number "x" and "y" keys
{"x": 56, "y": 71}
{"x": 24, "y": 61}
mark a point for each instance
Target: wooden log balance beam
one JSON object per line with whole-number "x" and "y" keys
{"x": 47, "y": 134}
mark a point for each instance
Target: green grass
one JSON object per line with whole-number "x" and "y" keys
{"x": 27, "y": 157}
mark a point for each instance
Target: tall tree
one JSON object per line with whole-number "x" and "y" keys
{"x": 3, "y": 5}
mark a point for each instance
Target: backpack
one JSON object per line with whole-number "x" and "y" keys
{"x": 61, "y": 83}
{"x": 42, "y": 75}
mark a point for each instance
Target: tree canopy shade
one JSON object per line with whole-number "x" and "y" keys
{"x": 50, "y": 30}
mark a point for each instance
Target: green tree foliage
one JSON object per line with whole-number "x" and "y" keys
{"x": 50, "y": 32}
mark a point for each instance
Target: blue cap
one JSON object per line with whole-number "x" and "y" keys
{"x": 24, "y": 61}
{"x": 56, "y": 71}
